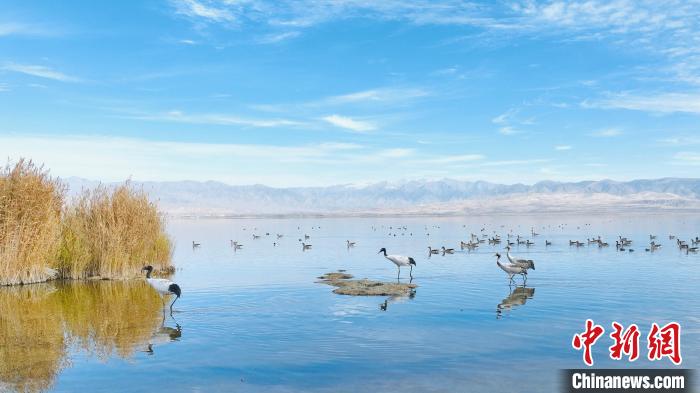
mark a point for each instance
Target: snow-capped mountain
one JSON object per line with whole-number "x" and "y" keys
{"x": 444, "y": 196}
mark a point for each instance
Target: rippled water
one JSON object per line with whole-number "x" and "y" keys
{"x": 255, "y": 320}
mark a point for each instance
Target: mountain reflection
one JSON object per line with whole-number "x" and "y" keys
{"x": 39, "y": 322}
{"x": 517, "y": 297}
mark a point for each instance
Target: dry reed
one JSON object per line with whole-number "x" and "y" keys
{"x": 106, "y": 232}
{"x": 30, "y": 223}
{"x": 113, "y": 233}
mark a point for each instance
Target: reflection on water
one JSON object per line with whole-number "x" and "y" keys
{"x": 104, "y": 318}
{"x": 517, "y": 297}
{"x": 164, "y": 335}
{"x": 397, "y": 299}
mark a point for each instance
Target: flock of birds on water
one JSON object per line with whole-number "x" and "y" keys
{"x": 513, "y": 267}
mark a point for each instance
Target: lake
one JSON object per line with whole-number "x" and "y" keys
{"x": 255, "y": 320}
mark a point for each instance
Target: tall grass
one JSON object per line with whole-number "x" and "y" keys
{"x": 30, "y": 223}
{"x": 106, "y": 232}
{"x": 113, "y": 233}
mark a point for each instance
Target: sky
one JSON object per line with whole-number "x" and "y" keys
{"x": 313, "y": 92}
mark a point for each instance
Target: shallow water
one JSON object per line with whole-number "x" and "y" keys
{"x": 254, "y": 320}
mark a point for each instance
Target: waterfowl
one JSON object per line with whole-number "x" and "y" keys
{"x": 511, "y": 270}
{"x": 163, "y": 286}
{"x": 447, "y": 250}
{"x": 399, "y": 260}
{"x": 524, "y": 263}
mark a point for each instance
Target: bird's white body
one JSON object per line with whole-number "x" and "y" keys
{"x": 161, "y": 285}
{"x": 399, "y": 260}
{"x": 511, "y": 269}
{"x": 524, "y": 263}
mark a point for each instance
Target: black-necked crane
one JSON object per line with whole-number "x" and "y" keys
{"x": 350, "y": 244}
{"x": 524, "y": 263}
{"x": 195, "y": 244}
{"x": 163, "y": 286}
{"x": 305, "y": 246}
{"x": 399, "y": 260}
{"x": 511, "y": 270}
{"x": 447, "y": 250}
{"x": 432, "y": 251}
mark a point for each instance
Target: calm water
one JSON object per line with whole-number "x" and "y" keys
{"x": 255, "y": 320}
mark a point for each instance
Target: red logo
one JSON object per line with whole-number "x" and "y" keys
{"x": 662, "y": 342}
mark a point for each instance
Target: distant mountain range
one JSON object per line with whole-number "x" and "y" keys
{"x": 445, "y": 196}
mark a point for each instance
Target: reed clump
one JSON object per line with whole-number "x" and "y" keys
{"x": 110, "y": 232}
{"x": 113, "y": 233}
{"x": 30, "y": 223}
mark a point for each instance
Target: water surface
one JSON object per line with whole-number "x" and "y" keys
{"x": 254, "y": 320}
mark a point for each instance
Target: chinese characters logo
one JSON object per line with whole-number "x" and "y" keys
{"x": 662, "y": 342}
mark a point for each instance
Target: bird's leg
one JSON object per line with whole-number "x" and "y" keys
{"x": 398, "y": 275}
{"x": 410, "y": 273}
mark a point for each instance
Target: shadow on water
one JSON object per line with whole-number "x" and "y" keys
{"x": 517, "y": 297}
{"x": 104, "y": 318}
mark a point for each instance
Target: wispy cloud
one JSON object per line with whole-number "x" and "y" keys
{"x": 680, "y": 140}
{"x": 349, "y": 123}
{"x": 278, "y": 37}
{"x": 687, "y": 158}
{"x": 607, "y": 133}
{"x": 563, "y": 147}
{"x": 510, "y": 122}
{"x": 659, "y": 103}
{"x": 207, "y": 12}
{"x": 508, "y": 130}
{"x": 215, "y": 119}
{"x": 376, "y": 95}
{"x": 22, "y": 29}
{"x": 39, "y": 72}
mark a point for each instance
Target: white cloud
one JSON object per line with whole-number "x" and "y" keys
{"x": 687, "y": 158}
{"x": 659, "y": 103}
{"x": 278, "y": 37}
{"x": 607, "y": 133}
{"x": 22, "y": 29}
{"x": 508, "y": 130}
{"x": 563, "y": 147}
{"x": 199, "y": 10}
{"x": 455, "y": 159}
{"x": 117, "y": 158}
{"x": 39, "y": 71}
{"x": 680, "y": 140}
{"x": 377, "y": 95}
{"x": 350, "y": 124}
{"x": 215, "y": 119}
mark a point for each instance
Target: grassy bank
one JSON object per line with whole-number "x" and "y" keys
{"x": 106, "y": 232}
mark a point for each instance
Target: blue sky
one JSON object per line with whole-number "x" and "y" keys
{"x": 299, "y": 93}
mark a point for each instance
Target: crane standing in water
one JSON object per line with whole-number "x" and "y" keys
{"x": 163, "y": 286}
